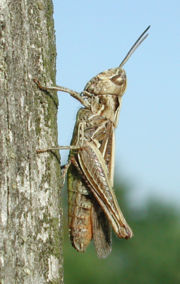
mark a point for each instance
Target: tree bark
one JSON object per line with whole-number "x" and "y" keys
{"x": 30, "y": 213}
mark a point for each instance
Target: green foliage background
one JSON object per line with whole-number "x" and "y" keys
{"x": 151, "y": 256}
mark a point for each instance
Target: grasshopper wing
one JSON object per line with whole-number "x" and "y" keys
{"x": 101, "y": 231}
{"x": 102, "y": 235}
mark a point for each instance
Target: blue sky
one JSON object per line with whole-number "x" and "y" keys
{"x": 93, "y": 36}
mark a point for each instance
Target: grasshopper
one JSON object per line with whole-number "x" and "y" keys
{"x": 93, "y": 206}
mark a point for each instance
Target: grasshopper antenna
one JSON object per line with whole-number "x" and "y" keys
{"x": 140, "y": 39}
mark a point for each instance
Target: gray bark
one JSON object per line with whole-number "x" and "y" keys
{"x": 30, "y": 213}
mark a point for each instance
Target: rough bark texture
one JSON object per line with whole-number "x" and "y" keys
{"x": 30, "y": 216}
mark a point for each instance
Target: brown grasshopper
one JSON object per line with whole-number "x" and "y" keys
{"x": 90, "y": 170}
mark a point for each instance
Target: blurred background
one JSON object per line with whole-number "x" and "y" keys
{"x": 93, "y": 36}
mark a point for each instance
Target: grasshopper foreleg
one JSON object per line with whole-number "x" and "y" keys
{"x": 74, "y": 94}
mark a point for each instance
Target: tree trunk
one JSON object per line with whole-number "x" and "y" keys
{"x": 30, "y": 214}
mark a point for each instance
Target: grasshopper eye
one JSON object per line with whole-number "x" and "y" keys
{"x": 119, "y": 80}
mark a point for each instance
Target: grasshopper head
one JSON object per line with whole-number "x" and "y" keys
{"x": 110, "y": 82}
{"x": 106, "y": 90}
